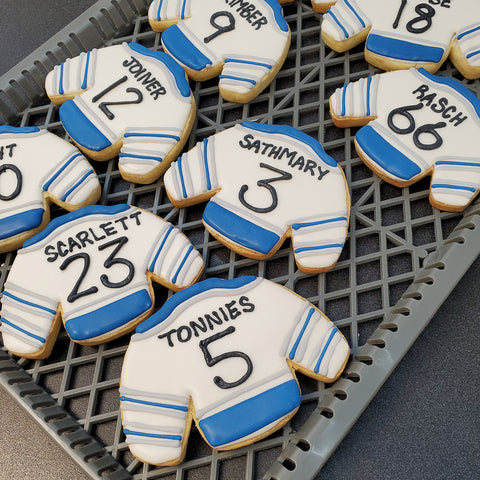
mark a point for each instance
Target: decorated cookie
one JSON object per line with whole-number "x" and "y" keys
{"x": 401, "y": 34}
{"x": 416, "y": 124}
{"x": 245, "y": 43}
{"x": 125, "y": 100}
{"x": 37, "y": 168}
{"x": 266, "y": 183}
{"x": 223, "y": 352}
{"x": 318, "y": 5}
{"x": 92, "y": 268}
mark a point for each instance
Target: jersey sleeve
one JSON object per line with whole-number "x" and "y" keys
{"x": 163, "y": 13}
{"x": 315, "y": 346}
{"x": 193, "y": 177}
{"x": 71, "y": 77}
{"x": 174, "y": 261}
{"x": 30, "y": 321}
{"x": 355, "y": 104}
{"x": 345, "y": 25}
{"x": 465, "y": 52}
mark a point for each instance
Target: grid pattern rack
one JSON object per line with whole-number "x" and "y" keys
{"x": 400, "y": 261}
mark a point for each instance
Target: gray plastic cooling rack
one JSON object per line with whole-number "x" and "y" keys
{"x": 401, "y": 260}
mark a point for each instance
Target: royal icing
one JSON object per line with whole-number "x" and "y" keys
{"x": 248, "y": 38}
{"x": 124, "y": 94}
{"x": 405, "y": 33}
{"x": 422, "y": 123}
{"x": 221, "y": 351}
{"x": 266, "y": 182}
{"x": 36, "y": 166}
{"x": 94, "y": 266}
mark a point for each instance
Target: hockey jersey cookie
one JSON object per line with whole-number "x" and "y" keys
{"x": 245, "y": 42}
{"x": 92, "y": 268}
{"x": 318, "y": 5}
{"x": 125, "y": 100}
{"x": 223, "y": 352}
{"x": 401, "y": 34}
{"x": 418, "y": 124}
{"x": 37, "y": 168}
{"x": 266, "y": 182}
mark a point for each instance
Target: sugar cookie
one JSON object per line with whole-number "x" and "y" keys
{"x": 125, "y": 100}
{"x": 245, "y": 43}
{"x": 266, "y": 183}
{"x": 416, "y": 124}
{"x": 37, "y": 168}
{"x": 92, "y": 268}
{"x": 401, "y": 34}
{"x": 223, "y": 352}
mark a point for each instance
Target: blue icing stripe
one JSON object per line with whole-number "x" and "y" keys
{"x": 349, "y": 5}
{"x": 152, "y": 265}
{"x": 459, "y": 87}
{"x": 462, "y": 164}
{"x": 182, "y": 263}
{"x": 319, "y": 247}
{"x": 344, "y": 94}
{"x": 110, "y": 317}
{"x": 81, "y": 129}
{"x": 294, "y": 133}
{"x": 324, "y": 350}
{"x": 473, "y": 54}
{"x": 142, "y": 157}
{"x": 240, "y": 79}
{"x": 251, "y": 415}
{"x": 77, "y": 184}
{"x": 468, "y": 32}
{"x": 453, "y": 187}
{"x": 177, "y": 71}
{"x": 337, "y": 21}
{"x": 369, "y": 84}
{"x": 293, "y": 351}
{"x": 58, "y": 172}
{"x": 60, "y": 86}
{"x": 85, "y": 75}
{"x": 159, "y": 8}
{"x": 153, "y": 435}
{"x": 10, "y": 129}
{"x": 183, "y": 49}
{"x": 296, "y": 226}
{"x": 384, "y": 155}
{"x": 31, "y": 304}
{"x": 239, "y": 230}
{"x": 277, "y": 12}
{"x": 248, "y": 62}
{"x": 21, "y": 222}
{"x": 205, "y": 161}
{"x": 70, "y": 217}
{"x": 180, "y": 173}
{"x": 174, "y": 301}
{"x": 16, "y": 327}
{"x": 402, "y": 50}
{"x": 159, "y": 135}
{"x": 182, "y": 15}
{"x": 154, "y": 404}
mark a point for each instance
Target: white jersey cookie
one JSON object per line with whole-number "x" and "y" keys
{"x": 408, "y": 33}
{"x": 125, "y": 99}
{"x": 418, "y": 124}
{"x": 222, "y": 352}
{"x": 93, "y": 268}
{"x": 266, "y": 182}
{"x": 318, "y": 5}
{"x": 245, "y": 42}
{"x": 36, "y": 168}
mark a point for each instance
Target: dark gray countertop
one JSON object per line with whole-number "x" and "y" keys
{"x": 424, "y": 422}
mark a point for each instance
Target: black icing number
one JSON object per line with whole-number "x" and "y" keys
{"x": 18, "y": 187}
{"x": 212, "y": 361}
{"x": 419, "y": 24}
{"x": 427, "y": 129}
{"x": 222, "y": 27}
{"x": 104, "y": 106}
{"x": 112, "y": 259}
{"x": 266, "y": 184}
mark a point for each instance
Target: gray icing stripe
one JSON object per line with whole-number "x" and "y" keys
{"x": 166, "y": 397}
{"x": 138, "y": 440}
{"x": 59, "y": 165}
{"x": 43, "y": 332}
{"x": 155, "y": 244}
{"x": 143, "y": 427}
{"x": 186, "y": 266}
{"x": 163, "y": 411}
{"x": 7, "y": 329}
{"x": 286, "y": 346}
{"x": 10, "y": 302}
{"x": 12, "y": 288}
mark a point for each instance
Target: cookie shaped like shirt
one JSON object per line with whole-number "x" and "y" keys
{"x": 318, "y": 5}
{"x": 245, "y": 42}
{"x": 125, "y": 100}
{"x": 408, "y": 33}
{"x": 418, "y": 124}
{"x": 93, "y": 268}
{"x": 37, "y": 168}
{"x": 223, "y": 352}
{"x": 266, "y": 182}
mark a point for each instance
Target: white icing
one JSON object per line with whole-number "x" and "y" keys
{"x": 39, "y": 156}
{"x": 265, "y": 44}
{"x": 164, "y": 114}
{"x": 301, "y": 199}
{"x": 44, "y": 283}
{"x": 261, "y": 333}
{"x": 395, "y": 90}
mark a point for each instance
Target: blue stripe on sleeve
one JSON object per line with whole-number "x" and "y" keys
{"x": 31, "y": 304}
{"x": 236, "y": 60}
{"x": 182, "y": 16}
{"x": 369, "y": 84}
{"x": 56, "y": 174}
{"x": 462, "y": 164}
{"x": 180, "y": 172}
{"x": 174, "y": 279}
{"x": 154, "y": 404}
{"x": 324, "y": 350}
{"x": 159, "y": 8}
{"x": 29, "y": 334}
{"x": 296, "y": 226}
{"x": 241, "y": 79}
{"x": 153, "y": 435}
{"x": 319, "y": 247}
{"x": 160, "y": 135}
{"x": 70, "y": 190}
{"x": 152, "y": 265}
{"x": 337, "y": 21}
{"x": 468, "y": 32}
{"x": 60, "y": 85}
{"x": 344, "y": 94}
{"x": 85, "y": 75}
{"x": 205, "y": 161}
{"x": 143, "y": 157}
{"x": 355, "y": 13}
{"x": 453, "y": 187}
{"x": 293, "y": 351}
